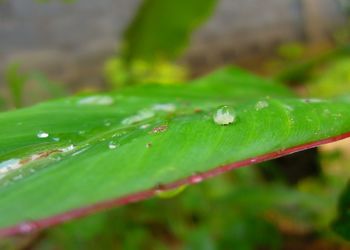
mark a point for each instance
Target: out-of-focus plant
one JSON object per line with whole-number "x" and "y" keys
{"x": 157, "y": 35}
{"x": 332, "y": 79}
{"x": 17, "y": 79}
{"x": 165, "y": 72}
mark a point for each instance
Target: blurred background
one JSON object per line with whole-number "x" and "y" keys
{"x": 50, "y": 49}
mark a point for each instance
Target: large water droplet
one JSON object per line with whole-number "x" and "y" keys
{"x": 96, "y": 100}
{"x": 261, "y": 105}
{"x": 224, "y": 115}
{"x": 42, "y": 134}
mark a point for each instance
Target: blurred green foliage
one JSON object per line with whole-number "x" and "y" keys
{"x": 17, "y": 79}
{"x": 161, "y": 29}
{"x": 331, "y": 79}
{"x": 300, "y": 68}
{"x": 157, "y": 35}
{"x": 118, "y": 74}
{"x": 342, "y": 223}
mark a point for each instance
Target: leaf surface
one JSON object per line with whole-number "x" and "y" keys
{"x": 74, "y": 156}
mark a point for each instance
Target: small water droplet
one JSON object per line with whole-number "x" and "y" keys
{"x": 261, "y": 105}
{"x": 81, "y": 132}
{"x": 42, "y": 134}
{"x": 140, "y": 116}
{"x": 27, "y": 227}
{"x": 67, "y": 149}
{"x": 112, "y": 145}
{"x": 148, "y": 145}
{"x": 288, "y": 107}
{"x": 79, "y": 151}
{"x": 96, "y": 100}
{"x": 159, "y": 129}
{"x": 312, "y": 100}
{"x": 107, "y": 123}
{"x": 196, "y": 178}
{"x": 144, "y": 126}
{"x": 167, "y": 107}
{"x": 224, "y": 115}
{"x": 56, "y": 139}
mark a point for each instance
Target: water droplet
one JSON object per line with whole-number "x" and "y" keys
{"x": 79, "y": 151}
{"x": 107, "y": 123}
{"x": 144, "y": 126}
{"x": 148, "y": 145}
{"x": 312, "y": 100}
{"x": 196, "y": 178}
{"x": 42, "y": 134}
{"x": 67, "y": 149}
{"x": 140, "y": 116}
{"x": 167, "y": 107}
{"x": 224, "y": 116}
{"x": 112, "y": 145}
{"x": 9, "y": 165}
{"x": 159, "y": 129}
{"x": 56, "y": 139}
{"x": 261, "y": 105}
{"x": 289, "y": 108}
{"x": 96, "y": 100}
{"x": 27, "y": 227}
{"x": 81, "y": 132}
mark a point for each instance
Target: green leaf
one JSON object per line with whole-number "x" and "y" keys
{"x": 15, "y": 81}
{"x": 161, "y": 29}
{"x": 74, "y": 156}
{"x": 342, "y": 224}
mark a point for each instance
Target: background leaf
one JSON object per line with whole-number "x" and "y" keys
{"x": 161, "y": 29}
{"x": 342, "y": 223}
